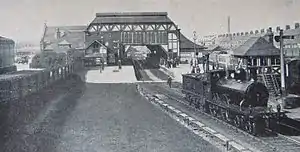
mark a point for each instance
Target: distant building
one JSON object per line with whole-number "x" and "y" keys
{"x": 55, "y": 44}
{"x": 292, "y": 46}
{"x": 63, "y": 38}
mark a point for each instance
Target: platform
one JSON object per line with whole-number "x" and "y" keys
{"x": 110, "y": 74}
{"x": 178, "y": 71}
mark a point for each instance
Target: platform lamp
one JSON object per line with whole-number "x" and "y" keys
{"x": 195, "y": 39}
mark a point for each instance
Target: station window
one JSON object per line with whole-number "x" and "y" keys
{"x": 96, "y": 45}
{"x": 272, "y": 61}
{"x": 289, "y": 52}
{"x": 296, "y": 52}
{"x": 277, "y": 61}
{"x": 263, "y": 61}
{"x": 254, "y": 62}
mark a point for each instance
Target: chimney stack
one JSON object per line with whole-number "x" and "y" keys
{"x": 271, "y": 35}
{"x": 270, "y": 29}
{"x": 228, "y": 22}
{"x": 287, "y": 27}
{"x": 297, "y": 25}
{"x": 57, "y": 33}
{"x": 277, "y": 28}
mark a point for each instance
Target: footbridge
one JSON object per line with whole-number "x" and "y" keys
{"x": 110, "y": 34}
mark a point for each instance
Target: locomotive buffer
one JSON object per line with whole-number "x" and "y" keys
{"x": 280, "y": 39}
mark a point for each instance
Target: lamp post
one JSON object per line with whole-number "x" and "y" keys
{"x": 195, "y": 38}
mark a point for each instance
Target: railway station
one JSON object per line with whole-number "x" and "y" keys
{"x": 132, "y": 81}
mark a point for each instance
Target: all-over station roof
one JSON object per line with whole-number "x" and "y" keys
{"x": 131, "y": 18}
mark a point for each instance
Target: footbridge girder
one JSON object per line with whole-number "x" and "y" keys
{"x": 131, "y": 28}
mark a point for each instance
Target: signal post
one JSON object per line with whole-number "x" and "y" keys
{"x": 280, "y": 39}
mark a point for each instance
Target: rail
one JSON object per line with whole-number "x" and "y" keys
{"x": 137, "y": 67}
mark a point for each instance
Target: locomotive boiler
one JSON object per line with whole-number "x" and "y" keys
{"x": 227, "y": 95}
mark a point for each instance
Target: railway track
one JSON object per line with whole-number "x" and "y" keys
{"x": 266, "y": 144}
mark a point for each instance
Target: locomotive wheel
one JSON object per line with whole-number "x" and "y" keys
{"x": 249, "y": 127}
{"x": 237, "y": 121}
{"x": 197, "y": 104}
{"x": 191, "y": 101}
{"x": 213, "y": 111}
{"x": 226, "y": 116}
{"x": 225, "y": 99}
{"x": 254, "y": 128}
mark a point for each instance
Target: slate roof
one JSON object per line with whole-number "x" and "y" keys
{"x": 131, "y": 17}
{"x": 185, "y": 43}
{"x": 256, "y": 46}
{"x": 73, "y": 35}
{"x": 233, "y": 42}
{"x": 213, "y": 47}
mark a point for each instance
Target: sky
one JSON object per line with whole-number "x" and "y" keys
{"x": 23, "y": 20}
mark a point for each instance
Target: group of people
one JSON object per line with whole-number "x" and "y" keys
{"x": 195, "y": 66}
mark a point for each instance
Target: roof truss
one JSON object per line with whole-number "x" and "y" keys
{"x": 97, "y": 28}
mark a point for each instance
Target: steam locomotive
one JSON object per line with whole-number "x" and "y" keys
{"x": 227, "y": 95}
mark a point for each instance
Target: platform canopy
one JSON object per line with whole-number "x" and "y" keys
{"x": 188, "y": 46}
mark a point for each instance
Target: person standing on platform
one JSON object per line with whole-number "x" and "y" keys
{"x": 119, "y": 63}
{"x": 169, "y": 81}
{"x": 102, "y": 63}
